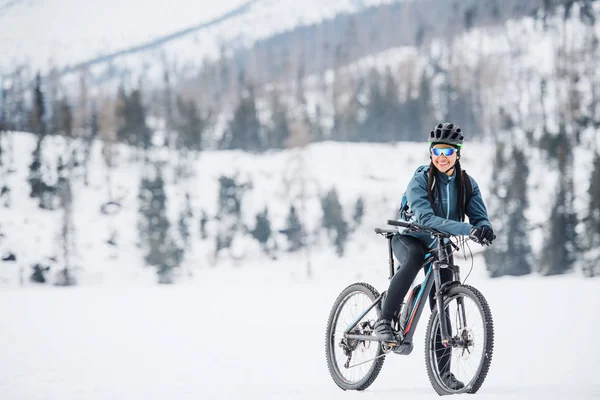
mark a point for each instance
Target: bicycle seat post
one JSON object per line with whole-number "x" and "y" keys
{"x": 391, "y": 256}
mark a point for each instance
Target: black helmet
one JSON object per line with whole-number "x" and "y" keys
{"x": 447, "y": 133}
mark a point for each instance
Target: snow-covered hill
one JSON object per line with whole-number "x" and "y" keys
{"x": 377, "y": 173}
{"x": 60, "y": 33}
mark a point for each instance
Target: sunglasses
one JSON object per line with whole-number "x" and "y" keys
{"x": 448, "y": 151}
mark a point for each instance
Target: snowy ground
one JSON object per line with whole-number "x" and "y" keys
{"x": 257, "y": 332}
{"x": 255, "y": 328}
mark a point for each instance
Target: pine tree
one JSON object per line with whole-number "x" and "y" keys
{"x": 293, "y": 231}
{"x": 334, "y": 222}
{"x": 393, "y": 123}
{"x": 159, "y": 247}
{"x": 262, "y": 229}
{"x": 94, "y": 132}
{"x": 342, "y": 233}
{"x": 244, "y": 131}
{"x": 191, "y": 127}
{"x": 279, "y": 131}
{"x": 372, "y": 128}
{"x": 136, "y": 115}
{"x": 424, "y": 104}
{"x": 511, "y": 252}
{"x": 346, "y": 126}
{"x": 359, "y": 211}
{"x": 121, "y": 116}
{"x": 185, "y": 217}
{"x": 519, "y": 255}
{"x": 229, "y": 212}
{"x": 38, "y": 124}
{"x": 131, "y": 120}
{"x": 560, "y": 248}
{"x": 65, "y": 277}
{"x": 168, "y": 110}
{"x": 3, "y": 110}
{"x": 203, "y": 222}
{"x": 383, "y": 120}
{"x": 38, "y": 186}
{"x": 184, "y": 230}
{"x": 66, "y": 118}
{"x": 591, "y": 237}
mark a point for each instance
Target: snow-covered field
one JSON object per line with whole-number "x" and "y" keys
{"x": 253, "y": 327}
{"x": 257, "y": 332}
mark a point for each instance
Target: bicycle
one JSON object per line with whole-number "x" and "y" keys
{"x": 355, "y": 356}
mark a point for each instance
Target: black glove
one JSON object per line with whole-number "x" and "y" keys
{"x": 483, "y": 235}
{"x": 487, "y": 234}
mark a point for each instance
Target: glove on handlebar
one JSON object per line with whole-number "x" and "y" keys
{"x": 484, "y": 235}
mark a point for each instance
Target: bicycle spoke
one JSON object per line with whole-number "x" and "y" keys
{"x": 362, "y": 356}
{"x": 464, "y": 357}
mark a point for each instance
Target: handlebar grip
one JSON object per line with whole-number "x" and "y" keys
{"x": 398, "y": 223}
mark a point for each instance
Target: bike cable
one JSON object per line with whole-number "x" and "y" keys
{"x": 472, "y": 262}
{"x": 461, "y": 243}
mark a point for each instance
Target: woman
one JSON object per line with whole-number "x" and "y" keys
{"x": 437, "y": 197}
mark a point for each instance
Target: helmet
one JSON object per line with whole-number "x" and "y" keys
{"x": 447, "y": 133}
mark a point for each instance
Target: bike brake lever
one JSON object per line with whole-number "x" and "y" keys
{"x": 412, "y": 228}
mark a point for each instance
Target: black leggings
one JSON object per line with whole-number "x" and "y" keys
{"x": 410, "y": 252}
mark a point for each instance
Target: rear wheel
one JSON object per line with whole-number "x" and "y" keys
{"x": 466, "y": 360}
{"x": 353, "y": 364}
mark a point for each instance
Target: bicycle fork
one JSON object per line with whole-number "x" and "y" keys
{"x": 439, "y": 303}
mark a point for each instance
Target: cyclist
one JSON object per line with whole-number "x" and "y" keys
{"x": 436, "y": 196}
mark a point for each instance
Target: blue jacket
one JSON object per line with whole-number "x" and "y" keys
{"x": 446, "y": 219}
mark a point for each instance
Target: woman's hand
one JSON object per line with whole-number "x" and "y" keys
{"x": 484, "y": 235}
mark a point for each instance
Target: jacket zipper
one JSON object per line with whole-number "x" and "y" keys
{"x": 448, "y": 201}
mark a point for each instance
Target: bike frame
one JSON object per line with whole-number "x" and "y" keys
{"x": 432, "y": 278}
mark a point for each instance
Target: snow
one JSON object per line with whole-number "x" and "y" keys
{"x": 248, "y": 326}
{"x": 258, "y": 332}
{"x": 58, "y": 33}
{"x": 68, "y": 31}
{"x": 377, "y": 173}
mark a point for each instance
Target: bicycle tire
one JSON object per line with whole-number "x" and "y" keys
{"x": 330, "y": 346}
{"x": 488, "y": 343}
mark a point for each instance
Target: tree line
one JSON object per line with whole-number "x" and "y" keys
{"x": 398, "y": 102}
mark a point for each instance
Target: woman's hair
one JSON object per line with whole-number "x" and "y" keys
{"x": 433, "y": 187}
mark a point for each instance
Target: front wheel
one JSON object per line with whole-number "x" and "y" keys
{"x": 462, "y": 365}
{"x": 353, "y": 364}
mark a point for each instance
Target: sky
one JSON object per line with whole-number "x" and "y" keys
{"x": 43, "y": 30}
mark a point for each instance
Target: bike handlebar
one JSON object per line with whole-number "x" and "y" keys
{"x": 416, "y": 227}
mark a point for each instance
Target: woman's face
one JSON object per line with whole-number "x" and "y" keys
{"x": 444, "y": 158}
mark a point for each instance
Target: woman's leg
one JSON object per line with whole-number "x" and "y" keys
{"x": 410, "y": 253}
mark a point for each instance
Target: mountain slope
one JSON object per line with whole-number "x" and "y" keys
{"x": 377, "y": 173}
{"x": 65, "y": 32}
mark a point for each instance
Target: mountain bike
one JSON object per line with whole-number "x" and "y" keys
{"x": 460, "y": 344}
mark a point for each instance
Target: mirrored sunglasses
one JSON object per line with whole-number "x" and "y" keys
{"x": 448, "y": 151}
